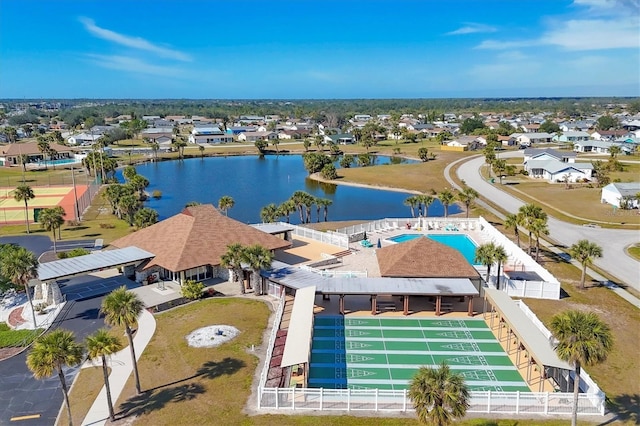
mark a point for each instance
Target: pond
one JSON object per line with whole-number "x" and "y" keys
{"x": 255, "y": 181}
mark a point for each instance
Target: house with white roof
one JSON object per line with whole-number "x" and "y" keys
{"x": 527, "y": 139}
{"x": 622, "y": 194}
{"x": 83, "y": 139}
{"x": 257, "y": 136}
{"x": 201, "y": 135}
{"x": 601, "y": 147}
{"x": 549, "y": 154}
{"x": 553, "y": 170}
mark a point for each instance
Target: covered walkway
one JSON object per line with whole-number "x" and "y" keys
{"x": 522, "y": 336}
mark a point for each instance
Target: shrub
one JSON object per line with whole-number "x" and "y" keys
{"x": 62, "y": 255}
{"x": 77, "y": 252}
{"x": 192, "y": 289}
{"x": 157, "y": 194}
{"x": 40, "y": 307}
{"x": 107, "y": 225}
{"x": 73, "y": 223}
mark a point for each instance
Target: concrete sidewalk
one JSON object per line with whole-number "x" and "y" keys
{"x": 121, "y": 369}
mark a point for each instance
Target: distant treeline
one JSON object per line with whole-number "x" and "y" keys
{"x": 335, "y": 111}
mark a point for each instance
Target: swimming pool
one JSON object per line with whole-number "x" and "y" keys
{"x": 460, "y": 242}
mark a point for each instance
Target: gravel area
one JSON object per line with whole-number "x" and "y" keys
{"x": 211, "y": 336}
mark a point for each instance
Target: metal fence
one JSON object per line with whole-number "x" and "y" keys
{"x": 380, "y": 400}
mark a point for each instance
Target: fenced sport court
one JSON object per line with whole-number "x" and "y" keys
{"x": 385, "y": 353}
{"x": 12, "y": 211}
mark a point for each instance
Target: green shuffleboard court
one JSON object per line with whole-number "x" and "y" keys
{"x": 385, "y": 353}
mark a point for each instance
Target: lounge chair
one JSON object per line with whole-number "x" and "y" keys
{"x": 463, "y": 226}
{"x": 366, "y": 243}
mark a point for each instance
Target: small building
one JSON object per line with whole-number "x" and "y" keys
{"x": 340, "y": 139}
{"x": 462, "y": 143}
{"x": 10, "y": 155}
{"x": 553, "y": 170}
{"x": 622, "y": 194}
{"x": 257, "y": 136}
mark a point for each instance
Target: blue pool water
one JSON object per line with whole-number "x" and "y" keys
{"x": 460, "y": 242}
{"x": 61, "y": 161}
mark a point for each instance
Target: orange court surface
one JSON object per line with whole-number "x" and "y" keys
{"x": 12, "y": 211}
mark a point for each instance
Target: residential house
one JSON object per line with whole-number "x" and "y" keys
{"x": 554, "y": 170}
{"x": 601, "y": 147}
{"x": 549, "y": 154}
{"x": 582, "y": 125}
{"x": 621, "y": 194}
{"x": 201, "y": 135}
{"x": 530, "y": 127}
{"x": 462, "y": 143}
{"x": 190, "y": 245}
{"x": 572, "y": 136}
{"x": 83, "y": 139}
{"x": 340, "y": 139}
{"x": 151, "y": 118}
{"x": 507, "y": 140}
{"x": 236, "y": 130}
{"x": 158, "y": 135}
{"x": 527, "y": 139}
{"x": 608, "y": 135}
{"x": 293, "y": 134}
{"x": 257, "y": 136}
{"x": 163, "y": 123}
{"x": 422, "y": 128}
{"x": 361, "y": 117}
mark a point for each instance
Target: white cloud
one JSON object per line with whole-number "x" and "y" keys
{"x": 125, "y": 63}
{"x": 503, "y": 45}
{"x": 595, "y": 35}
{"x": 133, "y": 42}
{"x": 471, "y": 28}
{"x": 609, "y": 7}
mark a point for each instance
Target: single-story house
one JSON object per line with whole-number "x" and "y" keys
{"x": 462, "y": 143}
{"x": 190, "y": 245}
{"x": 340, "y": 139}
{"x": 236, "y": 130}
{"x": 530, "y": 127}
{"x": 581, "y": 125}
{"x": 257, "y": 136}
{"x": 155, "y": 134}
{"x": 601, "y": 147}
{"x": 83, "y": 139}
{"x": 554, "y": 170}
{"x": 527, "y": 139}
{"x": 620, "y": 193}
{"x": 572, "y": 136}
{"x": 608, "y": 135}
{"x": 548, "y": 154}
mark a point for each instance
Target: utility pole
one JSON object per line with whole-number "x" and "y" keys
{"x": 75, "y": 193}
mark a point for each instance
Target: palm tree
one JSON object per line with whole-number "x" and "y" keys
{"x": 122, "y": 308}
{"x": 298, "y": 198}
{"x": 467, "y": 196}
{"x": 325, "y": 203}
{"x": 308, "y": 201}
{"x": 52, "y": 352}
{"x": 513, "y": 221}
{"x": 412, "y": 202}
{"x": 446, "y": 197}
{"x": 584, "y": 251}
{"x": 43, "y": 147}
{"x": 485, "y": 254}
{"x": 52, "y": 219}
{"x": 20, "y": 266}
{"x": 24, "y": 193}
{"x": 529, "y": 214}
{"x": 258, "y": 257}
{"x": 269, "y": 213}
{"x": 426, "y": 201}
{"x": 499, "y": 257}
{"x": 102, "y": 345}
{"x": 128, "y": 204}
{"x": 201, "y": 148}
{"x": 286, "y": 208}
{"x": 539, "y": 227}
{"x": 439, "y": 395}
{"x": 583, "y": 339}
{"x": 232, "y": 259}
{"x": 225, "y": 203}
{"x": 155, "y": 147}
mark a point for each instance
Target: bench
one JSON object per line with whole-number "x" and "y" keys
{"x": 386, "y": 306}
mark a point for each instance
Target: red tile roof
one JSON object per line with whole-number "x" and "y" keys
{"x": 423, "y": 258}
{"x": 197, "y": 236}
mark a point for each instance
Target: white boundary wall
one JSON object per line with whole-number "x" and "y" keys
{"x": 554, "y": 403}
{"x": 272, "y": 341}
{"x": 329, "y": 237}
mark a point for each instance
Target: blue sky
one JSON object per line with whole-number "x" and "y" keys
{"x": 294, "y": 49}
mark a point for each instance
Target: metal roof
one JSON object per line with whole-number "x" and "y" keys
{"x": 272, "y": 228}
{"x": 95, "y": 261}
{"x": 536, "y": 342}
{"x": 297, "y": 278}
{"x": 300, "y": 328}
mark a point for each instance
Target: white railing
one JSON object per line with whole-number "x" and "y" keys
{"x": 587, "y": 384}
{"x": 413, "y": 223}
{"x": 272, "y": 340}
{"x": 491, "y": 402}
{"x": 534, "y": 289}
{"x": 328, "y": 237}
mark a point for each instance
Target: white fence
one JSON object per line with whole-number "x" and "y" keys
{"x": 397, "y": 400}
{"x": 415, "y": 223}
{"x": 328, "y": 237}
{"x": 272, "y": 340}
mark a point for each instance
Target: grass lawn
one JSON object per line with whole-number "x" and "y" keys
{"x": 635, "y": 251}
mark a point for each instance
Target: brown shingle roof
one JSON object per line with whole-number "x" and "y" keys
{"x": 31, "y": 148}
{"x": 423, "y": 258}
{"x": 197, "y": 236}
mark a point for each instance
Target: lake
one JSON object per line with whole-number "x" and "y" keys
{"x": 254, "y": 181}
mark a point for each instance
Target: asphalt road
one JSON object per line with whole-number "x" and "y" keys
{"x": 613, "y": 241}
{"x": 23, "y": 395}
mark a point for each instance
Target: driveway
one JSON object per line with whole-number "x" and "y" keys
{"x": 40, "y": 243}
{"x": 613, "y": 241}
